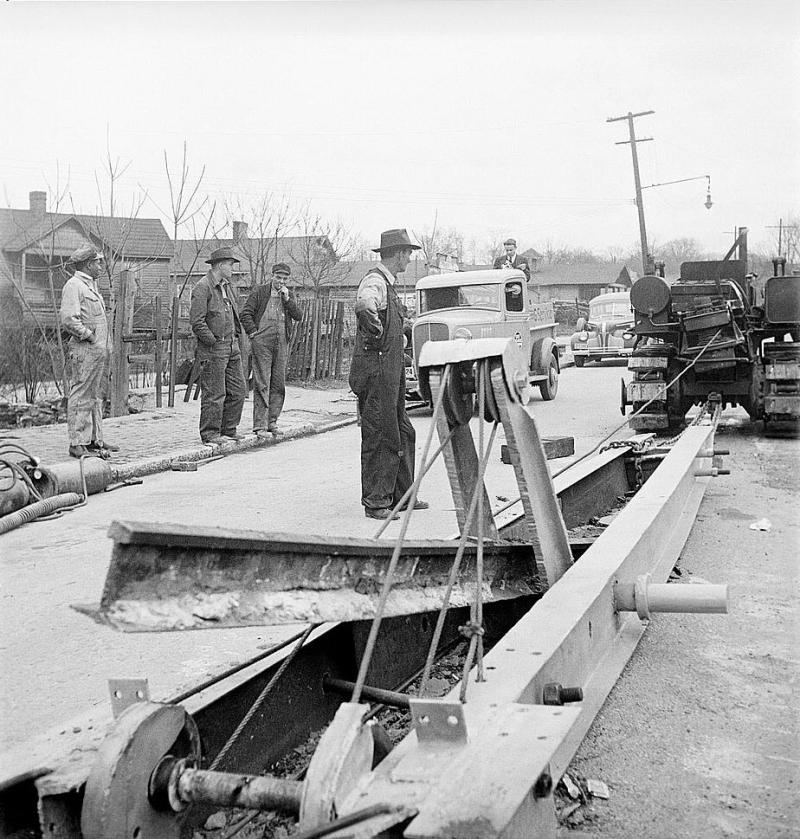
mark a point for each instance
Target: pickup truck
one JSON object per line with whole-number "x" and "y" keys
{"x": 485, "y": 304}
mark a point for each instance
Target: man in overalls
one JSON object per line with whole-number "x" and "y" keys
{"x": 267, "y": 319}
{"x": 214, "y": 317}
{"x": 83, "y": 316}
{"x": 378, "y": 378}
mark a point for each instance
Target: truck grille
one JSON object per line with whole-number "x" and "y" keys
{"x": 429, "y": 332}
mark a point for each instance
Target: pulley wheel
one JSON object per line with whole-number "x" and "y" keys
{"x": 491, "y": 413}
{"x": 459, "y": 394}
{"x": 343, "y": 758}
{"x": 116, "y": 801}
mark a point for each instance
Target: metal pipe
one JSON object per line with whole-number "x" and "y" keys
{"x": 250, "y": 792}
{"x": 644, "y": 597}
{"x": 385, "y": 697}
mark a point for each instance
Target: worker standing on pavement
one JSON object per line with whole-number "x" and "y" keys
{"x": 83, "y": 315}
{"x": 267, "y": 319}
{"x": 377, "y": 377}
{"x": 214, "y": 317}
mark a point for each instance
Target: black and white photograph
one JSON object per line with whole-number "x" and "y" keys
{"x": 400, "y": 419}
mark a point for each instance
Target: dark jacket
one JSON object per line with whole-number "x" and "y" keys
{"x": 207, "y": 312}
{"x": 519, "y": 262}
{"x": 256, "y": 305}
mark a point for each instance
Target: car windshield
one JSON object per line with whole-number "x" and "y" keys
{"x": 609, "y": 310}
{"x": 486, "y": 296}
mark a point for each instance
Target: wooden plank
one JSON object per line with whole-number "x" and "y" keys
{"x": 554, "y": 447}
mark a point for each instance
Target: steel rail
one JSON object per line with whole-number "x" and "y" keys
{"x": 576, "y": 635}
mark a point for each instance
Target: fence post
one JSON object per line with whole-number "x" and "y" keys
{"x": 119, "y": 353}
{"x": 157, "y": 361}
{"x": 173, "y": 348}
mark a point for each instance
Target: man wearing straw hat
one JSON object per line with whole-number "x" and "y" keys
{"x": 83, "y": 315}
{"x": 377, "y": 377}
{"x": 214, "y": 317}
{"x": 267, "y": 319}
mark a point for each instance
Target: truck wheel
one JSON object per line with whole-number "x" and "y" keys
{"x": 580, "y": 360}
{"x": 549, "y": 387}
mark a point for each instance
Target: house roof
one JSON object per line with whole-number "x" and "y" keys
{"x": 584, "y": 273}
{"x": 289, "y": 250}
{"x": 136, "y": 237}
{"x": 532, "y": 253}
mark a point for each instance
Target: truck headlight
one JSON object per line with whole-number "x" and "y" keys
{"x": 584, "y": 336}
{"x": 462, "y": 332}
{"x": 628, "y": 335}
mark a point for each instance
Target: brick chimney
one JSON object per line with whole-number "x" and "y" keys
{"x": 239, "y": 231}
{"x": 38, "y": 202}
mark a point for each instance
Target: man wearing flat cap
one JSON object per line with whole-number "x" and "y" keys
{"x": 214, "y": 317}
{"x": 511, "y": 259}
{"x": 267, "y": 319}
{"x": 377, "y": 377}
{"x": 83, "y": 316}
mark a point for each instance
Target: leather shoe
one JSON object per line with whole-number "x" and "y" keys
{"x": 382, "y": 513}
{"x": 233, "y": 436}
{"x": 78, "y": 451}
{"x": 419, "y": 504}
{"x": 94, "y": 446}
{"x": 272, "y": 428}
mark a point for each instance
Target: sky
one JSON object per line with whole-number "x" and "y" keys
{"x": 488, "y": 117}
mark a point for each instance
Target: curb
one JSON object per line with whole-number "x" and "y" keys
{"x": 154, "y": 465}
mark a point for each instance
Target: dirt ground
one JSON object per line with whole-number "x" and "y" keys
{"x": 701, "y": 736}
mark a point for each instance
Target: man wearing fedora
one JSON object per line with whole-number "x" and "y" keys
{"x": 83, "y": 316}
{"x": 377, "y": 377}
{"x": 267, "y": 319}
{"x": 215, "y": 321}
{"x": 511, "y": 259}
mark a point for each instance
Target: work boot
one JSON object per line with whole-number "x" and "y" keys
{"x": 273, "y": 428}
{"x": 234, "y": 436}
{"x": 94, "y": 446}
{"x": 78, "y": 451}
{"x": 382, "y": 513}
{"x": 217, "y": 438}
{"x": 263, "y": 433}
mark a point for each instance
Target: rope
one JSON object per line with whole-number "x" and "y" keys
{"x": 260, "y": 699}
{"x": 473, "y": 506}
{"x": 369, "y": 648}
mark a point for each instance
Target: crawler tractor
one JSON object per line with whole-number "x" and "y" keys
{"x": 716, "y": 330}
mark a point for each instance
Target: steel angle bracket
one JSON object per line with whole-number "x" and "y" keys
{"x": 470, "y": 770}
{"x": 576, "y": 634}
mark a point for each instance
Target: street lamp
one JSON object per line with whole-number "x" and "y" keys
{"x": 708, "y": 202}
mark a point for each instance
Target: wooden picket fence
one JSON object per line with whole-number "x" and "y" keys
{"x": 321, "y": 344}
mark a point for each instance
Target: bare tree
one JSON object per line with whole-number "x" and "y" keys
{"x": 266, "y": 221}
{"x": 436, "y": 240}
{"x": 321, "y": 251}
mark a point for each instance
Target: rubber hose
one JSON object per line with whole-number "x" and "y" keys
{"x": 38, "y": 508}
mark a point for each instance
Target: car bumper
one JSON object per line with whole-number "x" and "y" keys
{"x": 605, "y": 352}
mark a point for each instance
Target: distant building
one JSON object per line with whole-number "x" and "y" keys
{"x": 35, "y": 245}
{"x": 314, "y": 263}
{"x": 577, "y": 282}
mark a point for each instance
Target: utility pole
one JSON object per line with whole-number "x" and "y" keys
{"x": 647, "y": 261}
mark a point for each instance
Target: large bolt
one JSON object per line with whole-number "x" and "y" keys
{"x": 554, "y": 694}
{"x": 543, "y": 786}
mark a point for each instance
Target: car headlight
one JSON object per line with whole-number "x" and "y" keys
{"x": 628, "y": 335}
{"x": 462, "y": 332}
{"x": 584, "y": 336}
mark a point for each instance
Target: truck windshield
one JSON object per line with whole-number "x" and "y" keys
{"x": 610, "y": 310}
{"x": 485, "y": 296}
